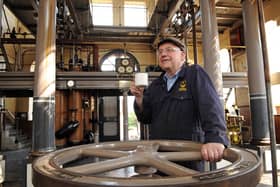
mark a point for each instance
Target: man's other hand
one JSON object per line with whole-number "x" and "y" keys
{"x": 212, "y": 152}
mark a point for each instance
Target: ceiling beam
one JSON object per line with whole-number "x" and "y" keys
{"x": 87, "y": 40}
{"x": 228, "y": 17}
{"x": 227, "y": 7}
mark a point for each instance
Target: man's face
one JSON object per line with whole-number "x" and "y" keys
{"x": 171, "y": 57}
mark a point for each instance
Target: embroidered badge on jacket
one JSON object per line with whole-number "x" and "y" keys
{"x": 183, "y": 86}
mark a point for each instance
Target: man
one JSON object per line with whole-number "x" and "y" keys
{"x": 182, "y": 103}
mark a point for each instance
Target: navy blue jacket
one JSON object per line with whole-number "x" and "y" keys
{"x": 191, "y": 110}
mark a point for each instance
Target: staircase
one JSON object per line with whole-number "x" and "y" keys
{"x": 15, "y": 148}
{"x": 13, "y": 137}
{"x": 4, "y": 61}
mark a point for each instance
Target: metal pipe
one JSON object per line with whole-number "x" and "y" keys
{"x": 211, "y": 45}
{"x": 1, "y": 10}
{"x": 2, "y": 117}
{"x": 186, "y": 44}
{"x": 18, "y": 62}
{"x": 96, "y": 123}
{"x": 95, "y": 58}
{"x": 125, "y": 116}
{"x": 194, "y": 33}
{"x": 231, "y": 60}
{"x": 268, "y": 90}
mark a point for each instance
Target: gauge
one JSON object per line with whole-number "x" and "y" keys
{"x": 125, "y": 62}
{"x": 70, "y": 83}
{"x": 129, "y": 69}
{"x": 121, "y": 69}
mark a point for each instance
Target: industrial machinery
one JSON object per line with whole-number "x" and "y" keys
{"x": 234, "y": 126}
{"x": 141, "y": 164}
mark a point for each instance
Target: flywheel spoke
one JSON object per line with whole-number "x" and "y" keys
{"x": 170, "y": 168}
{"x": 103, "y": 153}
{"x": 180, "y": 156}
{"x": 103, "y": 166}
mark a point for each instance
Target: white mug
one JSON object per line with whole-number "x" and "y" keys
{"x": 141, "y": 79}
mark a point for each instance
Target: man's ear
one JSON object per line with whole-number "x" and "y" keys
{"x": 183, "y": 55}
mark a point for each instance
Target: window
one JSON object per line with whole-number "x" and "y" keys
{"x": 225, "y": 60}
{"x": 273, "y": 40}
{"x": 229, "y": 93}
{"x": 135, "y": 14}
{"x": 119, "y": 12}
{"x": 108, "y": 61}
{"x": 102, "y": 12}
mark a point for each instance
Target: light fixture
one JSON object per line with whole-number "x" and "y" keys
{"x": 70, "y": 83}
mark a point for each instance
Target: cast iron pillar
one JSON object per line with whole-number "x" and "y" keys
{"x": 211, "y": 46}
{"x": 1, "y": 9}
{"x": 43, "y": 138}
{"x": 2, "y": 118}
{"x": 256, "y": 79}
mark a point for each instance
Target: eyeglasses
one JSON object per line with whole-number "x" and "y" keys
{"x": 168, "y": 50}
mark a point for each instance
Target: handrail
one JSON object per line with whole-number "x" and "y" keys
{"x": 10, "y": 115}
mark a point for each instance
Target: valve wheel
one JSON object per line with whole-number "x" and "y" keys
{"x": 141, "y": 164}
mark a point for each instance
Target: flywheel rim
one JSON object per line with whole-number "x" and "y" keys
{"x": 47, "y": 170}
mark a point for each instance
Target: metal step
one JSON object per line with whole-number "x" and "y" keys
{"x": 13, "y": 139}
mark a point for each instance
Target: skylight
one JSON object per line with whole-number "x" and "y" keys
{"x": 135, "y": 14}
{"x": 102, "y": 13}
{"x": 128, "y": 13}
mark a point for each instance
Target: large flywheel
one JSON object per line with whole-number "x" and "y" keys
{"x": 142, "y": 164}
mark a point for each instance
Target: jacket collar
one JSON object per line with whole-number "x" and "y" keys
{"x": 180, "y": 74}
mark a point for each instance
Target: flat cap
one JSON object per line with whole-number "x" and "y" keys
{"x": 174, "y": 41}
